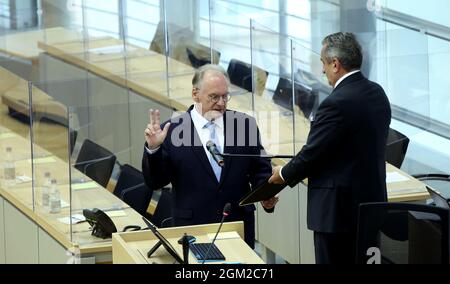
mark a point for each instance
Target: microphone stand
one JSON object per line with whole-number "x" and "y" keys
{"x": 215, "y": 237}
{"x": 226, "y": 211}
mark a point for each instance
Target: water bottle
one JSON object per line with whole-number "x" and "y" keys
{"x": 46, "y": 190}
{"x": 55, "y": 199}
{"x": 9, "y": 168}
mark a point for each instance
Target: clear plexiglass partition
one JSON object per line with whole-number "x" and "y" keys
{"x": 403, "y": 71}
{"x": 84, "y": 168}
{"x": 272, "y": 88}
{"x": 232, "y": 42}
{"x": 50, "y": 156}
{"x": 15, "y": 142}
{"x": 99, "y": 167}
{"x": 310, "y": 89}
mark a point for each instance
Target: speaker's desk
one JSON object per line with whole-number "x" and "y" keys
{"x": 132, "y": 247}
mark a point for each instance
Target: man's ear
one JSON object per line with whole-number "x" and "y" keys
{"x": 336, "y": 65}
{"x": 195, "y": 95}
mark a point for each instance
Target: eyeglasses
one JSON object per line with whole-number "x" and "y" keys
{"x": 215, "y": 98}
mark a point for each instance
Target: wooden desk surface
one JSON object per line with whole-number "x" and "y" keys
{"x": 145, "y": 74}
{"x": 24, "y": 44}
{"x": 132, "y": 248}
{"x": 21, "y": 196}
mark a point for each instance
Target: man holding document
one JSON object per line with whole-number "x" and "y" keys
{"x": 344, "y": 157}
{"x": 186, "y": 152}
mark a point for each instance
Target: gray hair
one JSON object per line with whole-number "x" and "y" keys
{"x": 200, "y": 74}
{"x": 345, "y": 48}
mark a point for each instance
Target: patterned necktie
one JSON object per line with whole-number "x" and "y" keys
{"x": 212, "y": 137}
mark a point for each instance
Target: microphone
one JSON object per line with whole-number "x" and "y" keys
{"x": 215, "y": 153}
{"x": 226, "y": 212}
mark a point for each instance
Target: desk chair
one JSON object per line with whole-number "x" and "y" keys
{"x": 438, "y": 199}
{"x": 440, "y": 182}
{"x": 132, "y": 190}
{"x": 240, "y": 74}
{"x": 425, "y": 239}
{"x": 197, "y": 54}
{"x": 96, "y": 162}
{"x": 396, "y": 148}
{"x": 182, "y": 47}
{"x": 175, "y": 32}
{"x": 163, "y": 216}
{"x": 307, "y": 99}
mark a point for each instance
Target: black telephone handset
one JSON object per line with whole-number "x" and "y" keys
{"x": 102, "y": 226}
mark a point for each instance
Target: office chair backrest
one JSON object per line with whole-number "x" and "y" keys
{"x": 402, "y": 233}
{"x": 306, "y": 99}
{"x": 438, "y": 199}
{"x": 96, "y": 162}
{"x": 176, "y": 33}
{"x": 240, "y": 74}
{"x": 132, "y": 190}
{"x": 437, "y": 181}
{"x": 194, "y": 54}
{"x": 396, "y": 148}
{"x": 163, "y": 215}
{"x": 182, "y": 46}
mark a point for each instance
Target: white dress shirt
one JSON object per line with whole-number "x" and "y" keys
{"x": 345, "y": 77}
{"x": 204, "y": 133}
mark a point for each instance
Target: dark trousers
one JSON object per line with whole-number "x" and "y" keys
{"x": 335, "y": 248}
{"x": 249, "y": 230}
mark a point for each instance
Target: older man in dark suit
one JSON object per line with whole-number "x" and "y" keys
{"x": 343, "y": 158}
{"x": 176, "y": 153}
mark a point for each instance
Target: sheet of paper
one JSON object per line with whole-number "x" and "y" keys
{"x": 117, "y": 213}
{"x": 23, "y": 179}
{"x": 394, "y": 177}
{"x": 111, "y": 49}
{"x": 41, "y": 161}
{"x": 77, "y": 218}
{"x": 86, "y": 185}
{"x": 7, "y": 135}
{"x": 64, "y": 204}
{"x": 224, "y": 236}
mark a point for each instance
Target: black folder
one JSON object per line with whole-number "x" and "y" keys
{"x": 263, "y": 192}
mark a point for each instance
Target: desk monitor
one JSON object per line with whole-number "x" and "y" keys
{"x": 263, "y": 192}
{"x": 307, "y": 99}
{"x": 170, "y": 249}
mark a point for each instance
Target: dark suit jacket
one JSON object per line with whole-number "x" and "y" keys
{"x": 198, "y": 197}
{"x": 344, "y": 157}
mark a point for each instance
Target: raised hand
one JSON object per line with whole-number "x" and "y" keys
{"x": 154, "y": 135}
